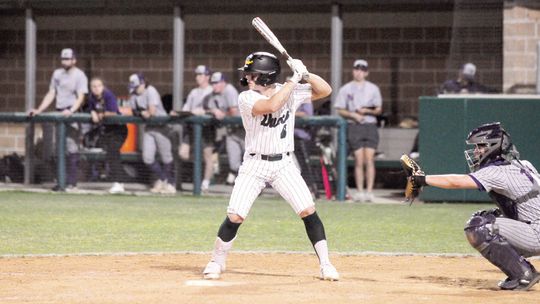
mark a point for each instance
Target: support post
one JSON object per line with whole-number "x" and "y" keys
{"x": 336, "y": 52}
{"x": 30, "y": 94}
{"x": 178, "y": 58}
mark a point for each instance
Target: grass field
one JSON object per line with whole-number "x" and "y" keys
{"x": 32, "y": 223}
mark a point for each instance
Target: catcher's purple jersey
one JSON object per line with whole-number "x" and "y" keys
{"x": 520, "y": 184}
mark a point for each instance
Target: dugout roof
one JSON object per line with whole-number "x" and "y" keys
{"x": 238, "y": 6}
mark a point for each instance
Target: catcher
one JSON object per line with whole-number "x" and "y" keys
{"x": 505, "y": 235}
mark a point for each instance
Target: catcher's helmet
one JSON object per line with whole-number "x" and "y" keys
{"x": 266, "y": 64}
{"x": 493, "y": 144}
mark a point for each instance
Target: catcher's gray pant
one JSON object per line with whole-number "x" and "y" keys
{"x": 525, "y": 238}
{"x": 235, "y": 150}
{"x": 282, "y": 175}
{"x": 156, "y": 140}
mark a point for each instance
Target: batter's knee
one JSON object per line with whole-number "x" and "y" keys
{"x": 235, "y": 218}
{"x": 307, "y": 212}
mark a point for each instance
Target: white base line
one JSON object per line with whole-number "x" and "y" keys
{"x": 155, "y": 253}
{"x": 152, "y": 253}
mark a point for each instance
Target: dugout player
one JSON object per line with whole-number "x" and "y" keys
{"x": 146, "y": 102}
{"x": 68, "y": 87}
{"x": 508, "y": 234}
{"x": 267, "y": 110}
{"x": 102, "y": 103}
{"x": 223, "y": 101}
{"x": 360, "y": 101}
{"x": 194, "y": 104}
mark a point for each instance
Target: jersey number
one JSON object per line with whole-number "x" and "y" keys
{"x": 284, "y": 131}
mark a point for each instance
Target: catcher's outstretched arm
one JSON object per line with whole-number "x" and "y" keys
{"x": 451, "y": 181}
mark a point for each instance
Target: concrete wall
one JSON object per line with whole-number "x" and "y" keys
{"x": 410, "y": 53}
{"x": 521, "y": 36}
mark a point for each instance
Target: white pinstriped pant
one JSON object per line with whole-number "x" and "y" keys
{"x": 523, "y": 237}
{"x": 282, "y": 175}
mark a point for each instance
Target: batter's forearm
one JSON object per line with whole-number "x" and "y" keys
{"x": 320, "y": 88}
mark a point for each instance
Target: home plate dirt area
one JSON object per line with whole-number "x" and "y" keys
{"x": 253, "y": 278}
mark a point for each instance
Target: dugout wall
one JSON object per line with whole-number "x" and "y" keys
{"x": 445, "y": 122}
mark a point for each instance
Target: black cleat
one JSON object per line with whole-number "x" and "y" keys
{"x": 521, "y": 284}
{"x": 526, "y": 284}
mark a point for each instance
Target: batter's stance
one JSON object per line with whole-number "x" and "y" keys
{"x": 267, "y": 111}
{"x": 511, "y": 232}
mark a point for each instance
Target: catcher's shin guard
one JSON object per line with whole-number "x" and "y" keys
{"x": 496, "y": 249}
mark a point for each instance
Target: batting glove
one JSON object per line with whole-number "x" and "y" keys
{"x": 296, "y": 77}
{"x": 297, "y": 66}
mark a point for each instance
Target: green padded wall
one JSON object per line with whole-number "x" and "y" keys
{"x": 445, "y": 122}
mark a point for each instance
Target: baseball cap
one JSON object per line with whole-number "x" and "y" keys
{"x": 202, "y": 69}
{"x": 135, "y": 80}
{"x": 217, "y": 77}
{"x": 468, "y": 69}
{"x": 67, "y": 54}
{"x": 360, "y": 64}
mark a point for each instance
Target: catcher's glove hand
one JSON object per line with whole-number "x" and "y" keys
{"x": 416, "y": 178}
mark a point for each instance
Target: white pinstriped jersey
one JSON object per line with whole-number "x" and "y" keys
{"x": 514, "y": 183}
{"x": 271, "y": 133}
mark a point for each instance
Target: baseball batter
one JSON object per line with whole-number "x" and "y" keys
{"x": 267, "y": 110}
{"x": 511, "y": 232}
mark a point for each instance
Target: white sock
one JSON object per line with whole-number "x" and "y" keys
{"x": 321, "y": 248}
{"x": 221, "y": 249}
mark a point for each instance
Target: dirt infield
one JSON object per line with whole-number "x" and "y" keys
{"x": 253, "y": 278}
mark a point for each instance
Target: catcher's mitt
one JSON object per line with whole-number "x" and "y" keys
{"x": 415, "y": 178}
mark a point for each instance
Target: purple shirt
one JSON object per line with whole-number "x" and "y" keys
{"x": 106, "y": 103}
{"x": 308, "y": 109}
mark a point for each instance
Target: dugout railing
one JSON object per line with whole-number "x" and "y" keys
{"x": 197, "y": 122}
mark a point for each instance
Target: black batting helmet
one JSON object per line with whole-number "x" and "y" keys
{"x": 495, "y": 143}
{"x": 266, "y": 64}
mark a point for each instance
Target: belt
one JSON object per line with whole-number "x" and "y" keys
{"x": 271, "y": 157}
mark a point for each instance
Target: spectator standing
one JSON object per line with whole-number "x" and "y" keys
{"x": 68, "y": 87}
{"x": 146, "y": 102}
{"x": 194, "y": 104}
{"x": 465, "y": 82}
{"x": 360, "y": 101}
{"x": 102, "y": 103}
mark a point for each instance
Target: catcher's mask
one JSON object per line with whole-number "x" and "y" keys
{"x": 491, "y": 144}
{"x": 266, "y": 65}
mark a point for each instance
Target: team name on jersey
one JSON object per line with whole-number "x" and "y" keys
{"x": 272, "y": 122}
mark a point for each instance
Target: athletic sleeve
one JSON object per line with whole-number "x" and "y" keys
{"x": 341, "y": 100}
{"x": 489, "y": 178}
{"x": 377, "y": 98}
{"x": 111, "y": 104}
{"x": 54, "y": 81}
{"x": 231, "y": 96}
{"x": 82, "y": 83}
{"x": 246, "y": 101}
{"x": 189, "y": 101}
{"x": 153, "y": 96}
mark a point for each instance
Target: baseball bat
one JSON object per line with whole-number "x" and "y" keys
{"x": 265, "y": 31}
